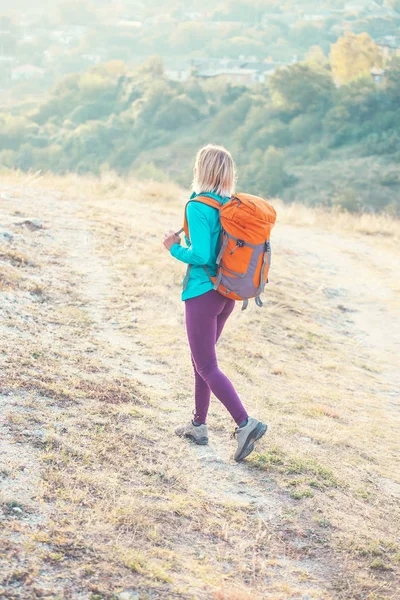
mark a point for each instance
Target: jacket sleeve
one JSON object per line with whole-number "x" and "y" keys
{"x": 199, "y": 252}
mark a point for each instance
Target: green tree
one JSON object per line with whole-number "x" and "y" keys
{"x": 194, "y": 90}
{"x": 153, "y": 66}
{"x": 363, "y": 100}
{"x": 377, "y": 27}
{"x": 357, "y": 112}
{"x": 315, "y": 57}
{"x": 246, "y": 11}
{"x": 394, "y": 4}
{"x": 271, "y": 34}
{"x": 14, "y": 130}
{"x": 347, "y": 199}
{"x": 154, "y": 100}
{"x": 301, "y": 88}
{"x": 258, "y": 118}
{"x": 393, "y": 79}
{"x": 274, "y": 133}
{"x": 8, "y": 158}
{"x": 92, "y": 84}
{"x": 189, "y": 37}
{"x": 64, "y": 97}
{"x": 337, "y": 125}
{"x": 242, "y": 46}
{"x": 180, "y": 111}
{"x": 24, "y": 159}
{"x": 304, "y": 127}
{"x": 304, "y": 34}
{"x": 228, "y": 119}
{"x": 273, "y": 169}
{"x": 77, "y": 12}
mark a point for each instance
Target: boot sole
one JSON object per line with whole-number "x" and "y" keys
{"x": 199, "y": 441}
{"x": 253, "y": 437}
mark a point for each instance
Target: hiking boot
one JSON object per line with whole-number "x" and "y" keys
{"x": 198, "y": 434}
{"x": 247, "y": 436}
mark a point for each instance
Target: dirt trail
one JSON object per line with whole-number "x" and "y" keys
{"x": 358, "y": 276}
{"x": 345, "y": 277}
{"x": 219, "y": 478}
{"x": 361, "y": 279}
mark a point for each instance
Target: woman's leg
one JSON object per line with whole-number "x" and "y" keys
{"x": 202, "y": 316}
{"x": 202, "y": 392}
{"x": 225, "y": 314}
{"x": 202, "y": 396}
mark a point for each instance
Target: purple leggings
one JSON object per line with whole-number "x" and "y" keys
{"x": 206, "y": 316}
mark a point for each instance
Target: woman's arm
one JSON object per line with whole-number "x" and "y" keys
{"x": 199, "y": 252}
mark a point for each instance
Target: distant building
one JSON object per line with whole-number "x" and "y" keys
{"x": 363, "y": 5}
{"x": 243, "y": 71}
{"x": 390, "y": 45}
{"x": 93, "y": 59}
{"x": 78, "y": 30}
{"x": 62, "y": 37}
{"x": 210, "y": 64}
{"x": 28, "y": 39}
{"x": 288, "y": 18}
{"x": 378, "y": 75}
{"x": 179, "y": 72}
{"x": 192, "y": 16}
{"x": 69, "y": 35}
{"x": 6, "y": 60}
{"x": 263, "y": 69}
{"x": 316, "y": 17}
{"x": 26, "y": 72}
{"x": 243, "y": 76}
{"x": 50, "y": 54}
{"x": 129, "y": 24}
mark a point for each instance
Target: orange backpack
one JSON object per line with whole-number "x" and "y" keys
{"x": 244, "y": 258}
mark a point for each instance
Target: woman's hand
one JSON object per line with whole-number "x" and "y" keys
{"x": 170, "y": 239}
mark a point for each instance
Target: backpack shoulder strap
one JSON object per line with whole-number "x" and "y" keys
{"x": 202, "y": 200}
{"x": 207, "y": 200}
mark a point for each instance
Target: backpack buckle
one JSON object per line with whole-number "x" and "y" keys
{"x": 239, "y": 244}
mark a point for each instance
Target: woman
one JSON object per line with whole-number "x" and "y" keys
{"x": 206, "y": 310}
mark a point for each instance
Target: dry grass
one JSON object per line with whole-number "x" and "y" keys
{"x": 103, "y": 376}
{"x": 369, "y": 224}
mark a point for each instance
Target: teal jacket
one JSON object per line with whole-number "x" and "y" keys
{"x": 204, "y": 232}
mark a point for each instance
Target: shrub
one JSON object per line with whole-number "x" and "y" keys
{"x": 150, "y": 172}
{"x": 317, "y": 152}
{"x": 8, "y": 158}
{"x": 24, "y": 160}
{"x": 275, "y": 134}
{"x": 304, "y": 127}
{"x": 179, "y": 112}
{"x": 347, "y": 199}
{"x": 392, "y": 178}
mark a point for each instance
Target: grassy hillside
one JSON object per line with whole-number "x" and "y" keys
{"x": 100, "y": 500}
{"x": 298, "y": 135}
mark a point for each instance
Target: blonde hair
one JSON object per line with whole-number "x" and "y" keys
{"x": 214, "y": 171}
